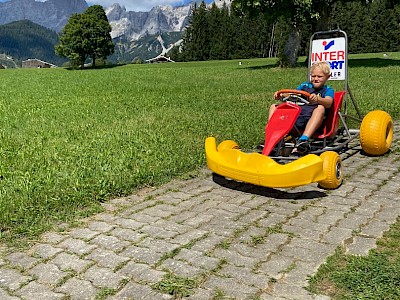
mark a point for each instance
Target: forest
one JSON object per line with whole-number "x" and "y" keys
{"x": 217, "y": 33}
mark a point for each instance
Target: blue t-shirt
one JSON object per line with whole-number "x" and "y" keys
{"x": 326, "y": 90}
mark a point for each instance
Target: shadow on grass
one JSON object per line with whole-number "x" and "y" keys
{"x": 353, "y": 63}
{"x": 265, "y": 191}
{"x": 109, "y": 66}
{"x": 373, "y": 62}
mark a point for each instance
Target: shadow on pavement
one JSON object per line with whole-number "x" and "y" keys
{"x": 265, "y": 191}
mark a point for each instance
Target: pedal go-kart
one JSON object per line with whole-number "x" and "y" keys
{"x": 278, "y": 167}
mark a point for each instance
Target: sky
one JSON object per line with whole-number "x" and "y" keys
{"x": 134, "y": 5}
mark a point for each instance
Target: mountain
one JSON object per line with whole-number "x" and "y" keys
{"x": 134, "y": 25}
{"x": 146, "y": 47}
{"x": 144, "y": 35}
{"x": 137, "y": 35}
{"x": 53, "y": 14}
{"x": 24, "y": 39}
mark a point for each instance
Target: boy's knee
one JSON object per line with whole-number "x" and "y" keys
{"x": 320, "y": 110}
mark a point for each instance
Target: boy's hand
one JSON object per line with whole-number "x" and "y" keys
{"x": 314, "y": 98}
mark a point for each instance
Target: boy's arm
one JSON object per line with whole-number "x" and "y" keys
{"x": 326, "y": 101}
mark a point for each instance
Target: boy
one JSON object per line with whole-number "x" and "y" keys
{"x": 321, "y": 99}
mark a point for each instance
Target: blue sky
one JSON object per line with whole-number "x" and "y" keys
{"x": 135, "y": 5}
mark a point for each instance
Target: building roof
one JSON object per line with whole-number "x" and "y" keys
{"x": 38, "y": 60}
{"x": 159, "y": 58}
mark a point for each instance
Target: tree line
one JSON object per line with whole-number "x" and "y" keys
{"x": 222, "y": 33}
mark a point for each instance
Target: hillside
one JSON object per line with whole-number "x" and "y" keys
{"x": 24, "y": 39}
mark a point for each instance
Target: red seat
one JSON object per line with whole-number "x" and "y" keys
{"x": 331, "y": 123}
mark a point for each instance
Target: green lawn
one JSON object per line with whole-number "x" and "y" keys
{"x": 72, "y": 139}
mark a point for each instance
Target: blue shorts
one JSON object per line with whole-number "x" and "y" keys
{"x": 305, "y": 115}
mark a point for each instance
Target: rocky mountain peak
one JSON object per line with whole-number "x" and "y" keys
{"x": 52, "y": 14}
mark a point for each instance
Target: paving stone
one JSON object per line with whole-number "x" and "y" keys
{"x": 78, "y": 289}
{"x": 128, "y": 223}
{"x": 53, "y": 238}
{"x": 6, "y": 296}
{"x": 198, "y": 259}
{"x": 66, "y": 261}
{"x": 45, "y": 250}
{"x": 321, "y": 297}
{"x": 245, "y": 276}
{"x": 276, "y": 266}
{"x": 361, "y": 246}
{"x": 109, "y": 242}
{"x": 208, "y": 243}
{"x": 106, "y": 258}
{"x": 157, "y": 211}
{"x": 127, "y": 235}
{"x": 34, "y": 290}
{"x": 235, "y": 258}
{"x": 230, "y": 287}
{"x": 181, "y": 268}
{"x": 198, "y": 220}
{"x": 202, "y": 294}
{"x": 141, "y": 254}
{"x": 291, "y": 292}
{"x": 158, "y": 232}
{"x": 141, "y": 272}
{"x": 135, "y": 290}
{"x": 100, "y": 226}
{"x": 47, "y": 273}
{"x": 189, "y": 237}
{"x": 76, "y": 246}
{"x": 375, "y": 229}
{"x": 103, "y": 277}
{"x": 307, "y": 233}
{"x": 353, "y": 221}
{"x": 21, "y": 260}
{"x": 83, "y": 233}
{"x": 105, "y": 217}
{"x": 12, "y": 279}
{"x": 337, "y": 236}
{"x": 271, "y": 220}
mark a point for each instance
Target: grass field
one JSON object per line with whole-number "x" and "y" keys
{"x": 72, "y": 139}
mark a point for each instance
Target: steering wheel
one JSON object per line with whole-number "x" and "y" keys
{"x": 297, "y": 96}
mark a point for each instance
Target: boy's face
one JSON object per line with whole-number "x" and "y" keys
{"x": 318, "y": 78}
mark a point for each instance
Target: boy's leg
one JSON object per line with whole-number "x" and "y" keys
{"x": 272, "y": 109}
{"x": 315, "y": 121}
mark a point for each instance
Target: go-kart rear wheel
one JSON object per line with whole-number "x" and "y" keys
{"x": 376, "y": 132}
{"x": 333, "y": 168}
{"x": 227, "y": 144}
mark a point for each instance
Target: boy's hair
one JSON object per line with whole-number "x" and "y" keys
{"x": 323, "y": 65}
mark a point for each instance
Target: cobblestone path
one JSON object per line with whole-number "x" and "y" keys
{"x": 235, "y": 241}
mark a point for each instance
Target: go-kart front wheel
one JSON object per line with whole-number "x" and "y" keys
{"x": 376, "y": 132}
{"x": 333, "y": 169}
{"x": 227, "y": 145}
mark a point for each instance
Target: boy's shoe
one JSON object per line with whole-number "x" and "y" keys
{"x": 302, "y": 147}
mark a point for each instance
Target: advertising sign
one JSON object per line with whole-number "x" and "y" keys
{"x": 333, "y": 51}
